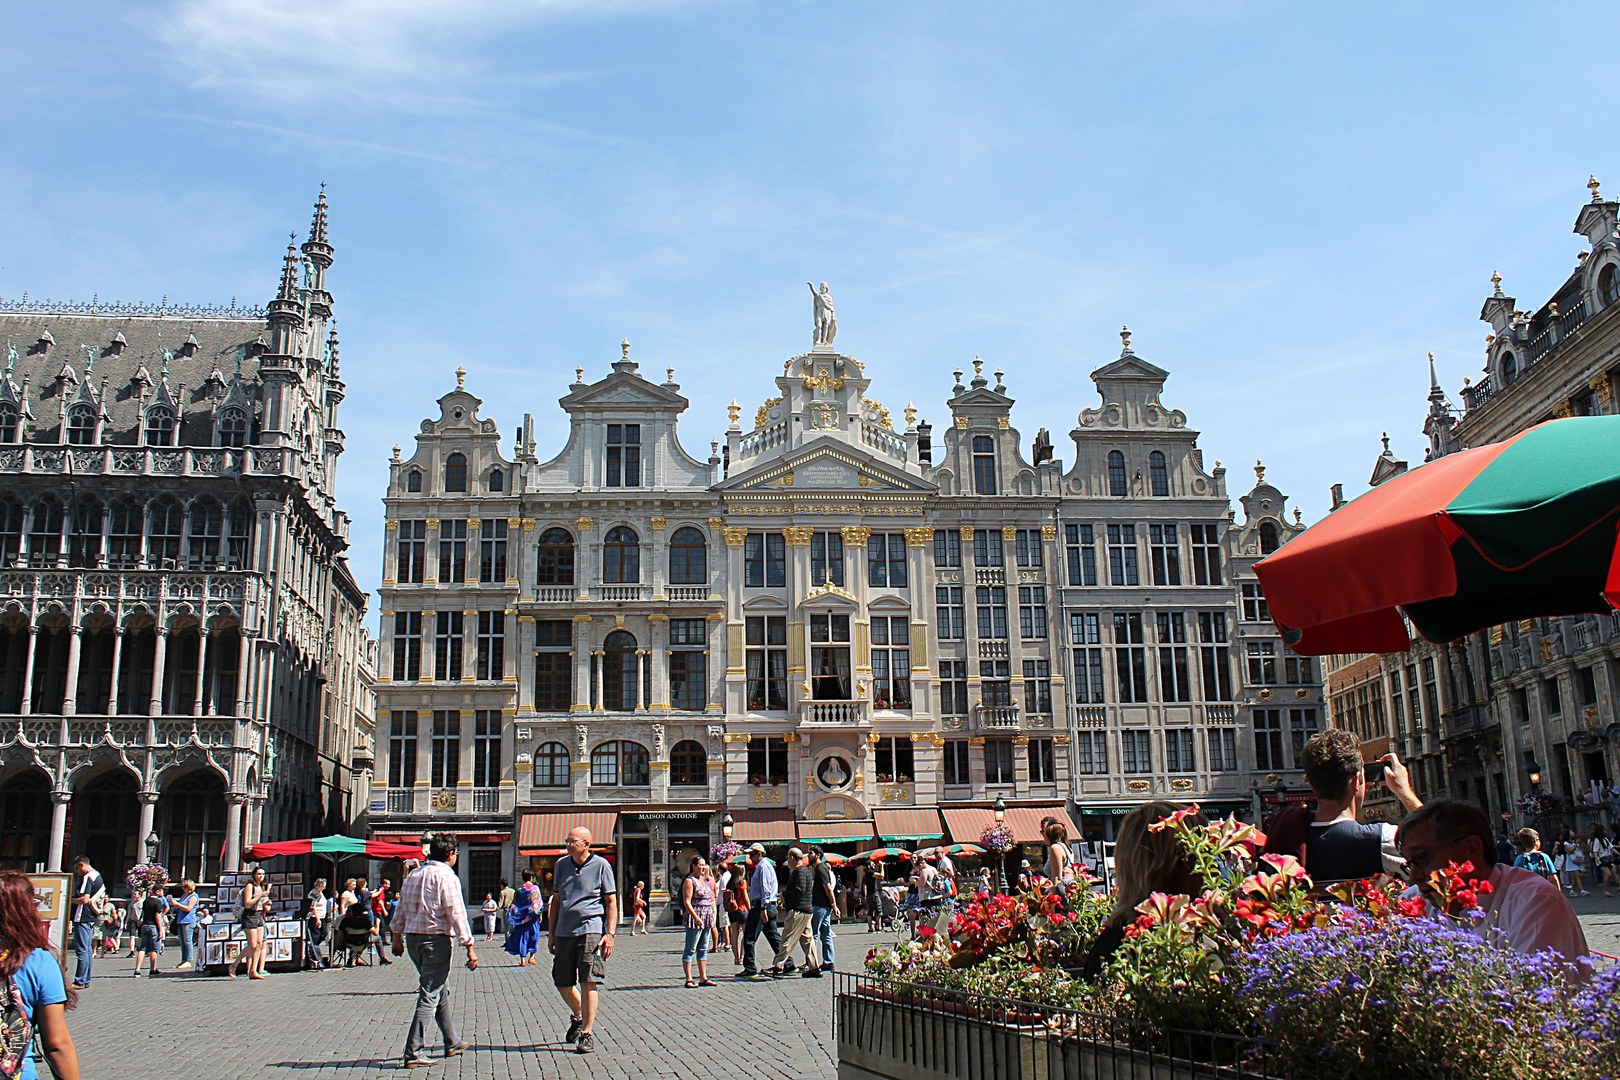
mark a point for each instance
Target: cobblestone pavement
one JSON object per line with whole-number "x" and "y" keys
{"x": 351, "y": 1023}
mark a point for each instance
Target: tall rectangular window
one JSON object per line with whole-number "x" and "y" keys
{"x": 411, "y": 552}
{"x": 402, "y": 748}
{"x": 446, "y": 748}
{"x": 826, "y": 558}
{"x": 1038, "y": 686}
{"x": 829, "y": 658}
{"x": 486, "y": 748}
{"x": 764, "y": 560}
{"x": 492, "y": 550}
{"x": 449, "y": 634}
{"x": 1414, "y": 707}
{"x": 1042, "y": 762}
{"x": 984, "y": 465}
{"x": 407, "y": 646}
{"x": 491, "y": 645}
{"x": 1301, "y": 729}
{"x": 1178, "y": 750}
{"x": 688, "y": 687}
{"x": 1222, "y": 750}
{"x": 1268, "y": 740}
{"x": 767, "y": 760}
{"x": 998, "y": 761}
{"x": 624, "y": 455}
{"x": 1027, "y": 549}
{"x": 1082, "y": 554}
{"x": 1085, "y": 628}
{"x": 992, "y": 602}
{"x": 948, "y": 611}
{"x": 1262, "y": 656}
{"x": 1397, "y": 703}
{"x": 1215, "y": 656}
{"x": 553, "y": 681}
{"x": 1091, "y": 752}
{"x": 987, "y": 548}
{"x": 767, "y": 662}
{"x": 1122, "y": 555}
{"x": 1255, "y": 608}
{"x": 1174, "y": 681}
{"x": 1130, "y": 658}
{"x": 1136, "y": 751}
{"x": 947, "y": 549}
{"x": 1298, "y": 669}
{"x": 953, "y": 688}
{"x": 995, "y": 682}
{"x": 1164, "y": 551}
{"x": 957, "y": 770}
{"x": 1206, "y": 554}
{"x": 886, "y": 560}
{"x": 1431, "y": 694}
{"x": 1031, "y": 612}
{"x": 453, "y": 550}
{"x": 891, "y": 662}
{"x": 895, "y": 760}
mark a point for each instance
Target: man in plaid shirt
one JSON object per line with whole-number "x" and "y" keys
{"x": 431, "y": 912}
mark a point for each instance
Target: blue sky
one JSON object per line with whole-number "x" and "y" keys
{"x": 1289, "y": 205}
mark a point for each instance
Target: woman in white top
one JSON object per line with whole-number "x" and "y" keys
{"x": 1571, "y": 861}
{"x": 1604, "y": 858}
{"x": 1059, "y": 864}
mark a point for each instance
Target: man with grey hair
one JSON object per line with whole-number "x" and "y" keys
{"x": 584, "y": 915}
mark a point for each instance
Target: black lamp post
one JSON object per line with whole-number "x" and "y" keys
{"x": 1000, "y": 809}
{"x": 726, "y": 826}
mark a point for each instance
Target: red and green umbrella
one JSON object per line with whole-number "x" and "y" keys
{"x": 951, "y": 849}
{"x": 883, "y": 854}
{"x": 333, "y": 847}
{"x": 1512, "y": 530}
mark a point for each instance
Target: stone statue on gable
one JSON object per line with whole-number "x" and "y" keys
{"x": 826, "y": 321}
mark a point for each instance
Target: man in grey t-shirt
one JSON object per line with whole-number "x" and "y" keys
{"x": 584, "y": 914}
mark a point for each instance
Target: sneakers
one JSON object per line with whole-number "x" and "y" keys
{"x": 1583, "y": 892}
{"x": 184, "y": 966}
{"x": 573, "y": 1028}
{"x": 810, "y": 973}
{"x": 789, "y": 968}
{"x": 586, "y": 1043}
{"x": 137, "y": 973}
{"x": 416, "y": 1062}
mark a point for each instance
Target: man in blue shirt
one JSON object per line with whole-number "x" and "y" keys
{"x": 762, "y": 893}
{"x": 89, "y": 896}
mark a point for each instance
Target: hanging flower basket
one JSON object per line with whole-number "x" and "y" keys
{"x": 726, "y": 849}
{"x": 997, "y": 838}
{"x": 145, "y": 877}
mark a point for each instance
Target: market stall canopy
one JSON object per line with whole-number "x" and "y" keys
{"x": 546, "y": 833}
{"x": 951, "y": 849}
{"x": 883, "y": 854}
{"x": 333, "y": 846}
{"x": 1512, "y": 530}
{"x": 968, "y": 824}
{"x": 917, "y": 824}
{"x": 762, "y": 827}
{"x": 835, "y": 831}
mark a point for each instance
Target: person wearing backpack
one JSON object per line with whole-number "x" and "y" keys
{"x": 1531, "y": 856}
{"x": 89, "y": 903}
{"x": 31, "y": 992}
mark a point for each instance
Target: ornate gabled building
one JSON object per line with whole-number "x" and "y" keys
{"x": 176, "y": 614}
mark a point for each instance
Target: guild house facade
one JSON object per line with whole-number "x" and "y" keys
{"x": 841, "y": 625}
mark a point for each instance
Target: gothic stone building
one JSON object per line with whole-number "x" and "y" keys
{"x": 181, "y": 653}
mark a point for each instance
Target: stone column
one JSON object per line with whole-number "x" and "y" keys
{"x": 596, "y": 680}
{"x": 797, "y": 538}
{"x": 714, "y": 692}
{"x": 587, "y": 558}
{"x": 658, "y": 695}
{"x": 582, "y": 664}
{"x": 923, "y": 676}
{"x": 59, "y": 812}
{"x": 736, "y": 674}
{"x": 638, "y": 697}
{"x": 118, "y": 659}
{"x": 469, "y": 646}
{"x": 658, "y": 552}
{"x": 160, "y": 650}
{"x": 856, "y": 538}
{"x": 233, "y": 831}
{"x": 509, "y": 646}
{"x": 70, "y": 692}
{"x": 27, "y": 705}
{"x": 204, "y": 649}
{"x": 244, "y": 664}
{"x": 148, "y": 814}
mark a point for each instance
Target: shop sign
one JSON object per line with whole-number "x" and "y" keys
{"x": 638, "y": 818}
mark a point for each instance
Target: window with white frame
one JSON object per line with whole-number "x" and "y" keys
{"x": 826, "y": 558}
{"x": 1136, "y": 751}
{"x": 1031, "y": 612}
{"x": 1130, "y": 657}
{"x": 957, "y": 770}
{"x": 1262, "y": 657}
{"x": 1085, "y": 628}
{"x": 1038, "y": 686}
{"x": 995, "y": 683}
{"x": 688, "y": 687}
{"x": 953, "y": 687}
{"x": 891, "y": 662}
{"x": 764, "y": 560}
{"x": 1164, "y": 553}
{"x": 1081, "y": 547}
{"x": 1042, "y": 762}
{"x": 1175, "y": 684}
{"x": 766, "y": 662}
{"x": 948, "y": 612}
{"x": 895, "y": 761}
{"x": 1178, "y": 750}
{"x": 886, "y": 560}
{"x": 998, "y": 761}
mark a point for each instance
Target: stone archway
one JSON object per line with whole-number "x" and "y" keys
{"x": 191, "y": 822}
{"x": 107, "y": 823}
{"x": 25, "y": 820}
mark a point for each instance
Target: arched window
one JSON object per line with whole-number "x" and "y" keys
{"x": 159, "y": 426}
{"x": 621, "y": 556}
{"x": 1157, "y": 474}
{"x": 688, "y": 558}
{"x": 497, "y": 480}
{"x": 554, "y": 558}
{"x": 233, "y": 427}
{"x": 11, "y": 527}
{"x": 689, "y": 764}
{"x": 81, "y": 425}
{"x": 84, "y": 548}
{"x": 195, "y": 806}
{"x": 45, "y": 536}
{"x": 1268, "y": 537}
{"x": 1609, "y": 285}
{"x": 413, "y": 481}
{"x": 619, "y": 764}
{"x": 551, "y": 766}
{"x": 621, "y": 671}
{"x": 124, "y": 533}
{"x": 455, "y": 472}
{"x": 1116, "y": 473}
{"x": 1510, "y": 369}
{"x": 8, "y": 422}
{"x": 984, "y": 465}
{"x": 163, "y": 542}
{"x": 207, "y": 524}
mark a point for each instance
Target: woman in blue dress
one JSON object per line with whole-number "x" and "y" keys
{"x": 523, "y": 922}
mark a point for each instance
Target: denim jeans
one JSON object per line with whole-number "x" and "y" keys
{"x": 697, "y": 944}
{"x": 821, "y": 931}
{"x": 187, "y": 932}
{"x": 431, "y": 955}
{"x": 83, "y": 948}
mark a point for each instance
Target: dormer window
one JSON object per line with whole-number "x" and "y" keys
{"x": 497, "y": 480}
{"x": 984, "y": 465}
{"x": 81, "y": 425}
{"x": 413, "y": 481}
{"x": 1268, "y": 537}
{"x": 623, "y": 455}
{"x": 1116, "y": 473}
{"x": 1609, "y": 285}
{"x": 1510, "y": 369}
{"x": 159, "y": 426}
{"x": 233, "y": 427}
{"x": 455, "y": 472}
{"x": 8, "y": 422}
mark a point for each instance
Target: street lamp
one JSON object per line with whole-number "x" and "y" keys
{"x": 725, "y": 826}
{"x": 1000, "y": 809}
{"x": 151, "y": 847}
{"x": 1535, "y": 774}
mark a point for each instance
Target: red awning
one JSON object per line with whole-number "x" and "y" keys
{"x": 858, "y": 829}
{"x": 968, "y": 824}
{"x": 546, "y": 833}
{"x": 762, "y": 827}
{"x": 918, "y": 824}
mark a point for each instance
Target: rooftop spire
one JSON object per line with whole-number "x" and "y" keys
{"x": 332, "y": 351}
{"x": 1125, "y": 337}
{"x": 317, "y": 227}
{"x": 1496, "y": 282}
{"x": 289, "y": 272}
{"x": 1593, "y": 184}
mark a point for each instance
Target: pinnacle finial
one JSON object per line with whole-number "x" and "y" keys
{"x": 1259, "y": 471}
{"x": 1496, "y": 282}
{"x": 332, "y": 350}
{"x": 669, "y": 373}
{"x": 1592, "y": 182}
{"x": 579, "y": 374}
{"x": 1125, "y": 339}
{"x": 289, "y": 271}
{"x": 317, "y": 225}
{"x": 1386, "y": 442}
{"x": 396, "y": 451}
{"x": 624, "y": 347}
{"x": 461, "y": 378}
{"x": 734, "y": 410}
{"x": 978, "y": 366}
{"x": 1299, "y": 516}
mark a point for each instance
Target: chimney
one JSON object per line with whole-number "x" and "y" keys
{"x": 925, "y": 443}
{"x": 1337, "y": 493}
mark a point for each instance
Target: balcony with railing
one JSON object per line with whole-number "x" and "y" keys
{"x": 486, "y": 800}
{"x": 996, "y": 717}
{"x": 990, "y": 575}
{"x": 401, "y": 801}
{"x": 993, "y": 650}
{"x": 834, "y": 713}
{"x": 687, "y": 592}
{"x": 122, "y": 731}
{"x": 1560, "y": 325}
{"x": 615, "y": 594}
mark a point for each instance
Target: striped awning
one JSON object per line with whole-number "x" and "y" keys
{"x": 918, "y": 824}
{"x": 969, "y": 823}
{"x": 762, "y": 826}
{"x": 859, "y": 829}
{"x": 546, "y": 833}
